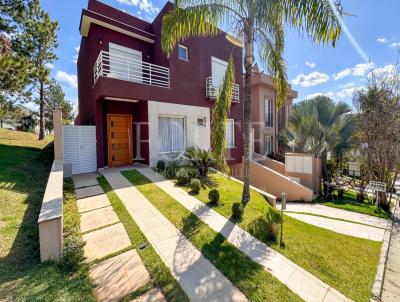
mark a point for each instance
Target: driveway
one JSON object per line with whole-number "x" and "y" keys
{"x": 357, "y": 225}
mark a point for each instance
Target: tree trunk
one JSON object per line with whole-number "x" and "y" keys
{"x": 248, "y": 66}
{"x": 41, "y": 111}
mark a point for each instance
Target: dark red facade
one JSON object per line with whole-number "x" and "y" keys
{"x": 187, "y": 78}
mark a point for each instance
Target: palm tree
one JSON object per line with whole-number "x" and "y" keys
{"x": 261, "y": 25}
{"x": 320, "y": 125}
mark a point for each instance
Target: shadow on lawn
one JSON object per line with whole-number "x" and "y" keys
{"x": 21, "y": 273}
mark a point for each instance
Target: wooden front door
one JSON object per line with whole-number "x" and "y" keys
{"x": 120, "y": 150}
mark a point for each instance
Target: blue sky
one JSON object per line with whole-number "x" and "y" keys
{"x": 312, "y": 69}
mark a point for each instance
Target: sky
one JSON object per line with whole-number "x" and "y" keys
{"x": 371, "y": 40}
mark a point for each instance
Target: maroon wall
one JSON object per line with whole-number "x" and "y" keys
{"x": 187, "y": 77}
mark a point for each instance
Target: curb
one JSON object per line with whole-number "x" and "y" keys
{"x": 380, "y": 273}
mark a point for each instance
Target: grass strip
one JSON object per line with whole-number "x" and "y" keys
{"x": 160, "y": 274}
{"x": 248, "y": 276}
{"x": 344, "y": 262}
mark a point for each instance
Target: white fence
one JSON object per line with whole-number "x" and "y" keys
{"x": 213, "y": 88}
{"x": 79, "y": 144}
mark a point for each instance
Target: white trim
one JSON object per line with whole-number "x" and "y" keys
{"x": 220, "y": 61}
{"x": 124, "y": 49}
{"x": 187, "y": 52}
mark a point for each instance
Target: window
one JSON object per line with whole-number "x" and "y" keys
{"x": 230, "y": 133}
{"x": 183, "y": 52}
{"x": 218, "y": 70}
{"x": 268, "y": 118}
{"x": 125, "y": 63}
{"x": 171, "y": 134}
{"x": 268, "y": 144}
{"x": 201, "y": 121}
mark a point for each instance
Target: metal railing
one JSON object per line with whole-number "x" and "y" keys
{"x": 128, "y": 69}
{"x": 213, "y": 88}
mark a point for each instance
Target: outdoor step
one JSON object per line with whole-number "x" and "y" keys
{"x": 88, "y": 191}
{"x": 92, "y": 203}
{"x": 119, "y": 276}
{"x": 85, "y": 183}
{"x": 105, "y": 242}
{"x": 83, "y": 176}
{"x": 153, "y": 295}
{"x": 98, "y": 218}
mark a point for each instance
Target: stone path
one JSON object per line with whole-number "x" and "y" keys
{"x": 153, "y": 295}
{"x": 197, "y": 276}
{"x": 118, "y": 276}
{"x": 391, "y": 283}
{"x": 322, "y": 210}
{"x": 342, "y": 227}
{"x": 307, "y": 286}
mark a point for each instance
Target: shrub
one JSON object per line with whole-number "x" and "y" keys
{"x": 160, "y": 166}
{"x": 195, "y": 185}
{"x": 237, "y": 210}
{"x": 201, "y": 159}
{"x": 213, "y": 196}
{"x": 73, "y": 253}
{"x": 171, "y": 169}
{"x": 272, "y": 230}
{"x": 185, "y": 174}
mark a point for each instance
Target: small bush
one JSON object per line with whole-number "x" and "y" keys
{"x": 195, "y": 185}
{"x": 213, "y": 196}
{"x": 272, "y": 231}
{"x": 171, "y": 169}
{"x": 73, "y": 253}
{"x": 185, "y": 174}
{"x": 237, "y": 210}
{"x": 160, "y": 166}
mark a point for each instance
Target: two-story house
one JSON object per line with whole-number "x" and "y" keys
{"x": 267, "y": 121}
{"x": 147, "y": 106}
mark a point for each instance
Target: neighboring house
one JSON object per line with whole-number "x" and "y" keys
{"x": 267, "y": 121}
{"x": 144, "y": 105}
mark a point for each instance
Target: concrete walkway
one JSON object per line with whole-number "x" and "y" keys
{"x": 391, "y": 283}
{"x": 341, "y": 227}
{"x": 197, "y": 276}
{"x": 104, "y": 234}
{"x": 307, "y": 286}
{"x": 319, "y": 209}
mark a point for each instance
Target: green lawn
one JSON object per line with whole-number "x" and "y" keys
{"x": 346, "y": 263}
{"x": 349, "y": 203}
{"x": 251, "y": 278}
{"x": 24, "y": 167}
{"x": 160, "y": 274}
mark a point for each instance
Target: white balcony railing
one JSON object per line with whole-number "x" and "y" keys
{"x": 213, "y": 88}
{"x": 128, "y": 69}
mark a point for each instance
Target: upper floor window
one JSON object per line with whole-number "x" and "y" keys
{"x": 230, "y": 133}
{"x": 268, "y": 117}
{"x": 183, "y": 52}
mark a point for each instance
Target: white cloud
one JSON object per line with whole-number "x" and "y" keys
{"x": 75, "y": 56}
{"x": 330, "y": 94}
{"x": 70, "y": 79}
{"x": 144, "y": 5}
{"x": 311, "y": 79}
{"x": 382, "y": 40}
{"x": 395, "y": 45}
{"x": 348, "y": 85}
{"x": 358, "y": 70}
{"x": 49, "y": 65}
{"x": 311, "y": 64}
{"x": 348, "y": 92}
{"x": 384, "y": 70}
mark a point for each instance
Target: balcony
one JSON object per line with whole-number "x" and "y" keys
{"x": 213, "y": 88}
{"x": 128, "y": 69}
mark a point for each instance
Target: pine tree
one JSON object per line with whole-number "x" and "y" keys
{"x": 41, "y": 41}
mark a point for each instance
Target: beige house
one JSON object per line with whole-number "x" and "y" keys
{"x": 267, "y": 121}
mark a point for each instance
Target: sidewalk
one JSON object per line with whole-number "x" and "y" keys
{"x": 307, "y": 286}
{"x": 197, "y": 276}
{"x": 391, "y": 283}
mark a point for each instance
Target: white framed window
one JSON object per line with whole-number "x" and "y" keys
{"x": 268, "y": 117}
{"x": 183, "y": 52}
{"x": 230, "y": 133}
{"x": 268, "y": 143}
{"x": 171, "y": 134}
{"x": 125, "y": 63}
{"x": 218, "y": 70}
